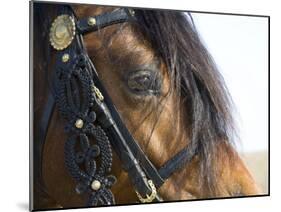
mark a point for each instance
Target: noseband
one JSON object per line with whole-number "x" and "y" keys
{"x": 93, "y": 124}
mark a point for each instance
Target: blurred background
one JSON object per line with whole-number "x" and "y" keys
{"x": 239, "y": 46}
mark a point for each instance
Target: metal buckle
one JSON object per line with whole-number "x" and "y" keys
{"x": 97, "y": 92}
{"x": 151, "y": 197}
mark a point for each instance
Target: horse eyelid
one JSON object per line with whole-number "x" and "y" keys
{"x": 143, "y": 82}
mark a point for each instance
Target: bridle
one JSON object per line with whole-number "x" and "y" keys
{"x": 93, "y": 124}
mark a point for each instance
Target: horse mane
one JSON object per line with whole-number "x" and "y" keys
{"x": 198, "y": 83}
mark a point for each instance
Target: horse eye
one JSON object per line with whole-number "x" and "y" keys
{"x": 144, "y": 82}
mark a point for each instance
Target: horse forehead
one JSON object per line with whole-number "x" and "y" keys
{"x": 114, "y": 38}
{"x": 118, "y": 40}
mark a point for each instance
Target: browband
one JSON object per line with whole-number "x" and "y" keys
{"x": 76, "y": 74}
{"x": 91, "y": 24}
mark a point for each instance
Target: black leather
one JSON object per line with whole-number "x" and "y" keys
{"x": 178, "y": 161}
{"x": 39, "y": 145}
{"x": 104, "y": 20}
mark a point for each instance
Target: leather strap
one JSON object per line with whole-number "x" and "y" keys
{"x": 104, "y": 20}
{"x": 44, "y": 124}
{"x": 178, "y": 161}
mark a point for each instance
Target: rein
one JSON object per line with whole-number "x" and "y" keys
{"x": 93, "y": 124}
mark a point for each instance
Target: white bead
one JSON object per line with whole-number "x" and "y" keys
{"x": 92, "y": 21}
{"x": 65, "y": 57}
{"x": 96, "y": 185}
{"x": 79, "y": 123}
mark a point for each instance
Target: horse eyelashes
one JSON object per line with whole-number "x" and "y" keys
{"x": 144, "y": 82}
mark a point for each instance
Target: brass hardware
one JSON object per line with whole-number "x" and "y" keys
{"x": 97, "y": 92}
{"x": 132, "y": 12}
{"x": 91, "y": 21}
{"x": 96, "y": 185}
{"x": 151, "y": 197}
{"x": 65, "y": 57}
{"x": 79, "y": 123}
{"x": 62, "y": 32}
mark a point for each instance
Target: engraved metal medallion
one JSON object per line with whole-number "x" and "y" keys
{"x": 62, "y": 32}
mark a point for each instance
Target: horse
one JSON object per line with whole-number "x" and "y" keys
{"x": 170, "y": 95}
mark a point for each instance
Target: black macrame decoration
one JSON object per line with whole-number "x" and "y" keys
{"x": 88, "y": 154}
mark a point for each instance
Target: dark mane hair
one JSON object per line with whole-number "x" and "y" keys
{"x": 197, "y": 81}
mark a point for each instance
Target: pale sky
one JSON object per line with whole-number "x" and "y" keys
{"x": 239, "y": 46}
